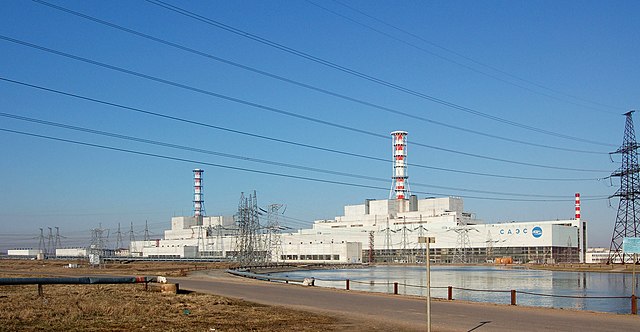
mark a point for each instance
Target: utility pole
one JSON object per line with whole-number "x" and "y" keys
{"x": 627, "y": 223}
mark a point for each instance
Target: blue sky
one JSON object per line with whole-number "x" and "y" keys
{"x": 569, "y": 68}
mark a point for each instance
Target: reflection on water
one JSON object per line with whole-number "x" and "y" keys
{"x": 411, "y": 281}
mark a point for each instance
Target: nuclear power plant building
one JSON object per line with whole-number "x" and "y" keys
{"x": 377, "y": 230}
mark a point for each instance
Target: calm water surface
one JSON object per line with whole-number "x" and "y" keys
{"x": 411, "y": 280}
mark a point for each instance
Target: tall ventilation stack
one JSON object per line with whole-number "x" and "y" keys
{"x": 198, "y": 197}
{"x": 578, "y": 206}
{"x": 582, "y": 233}
{"x": 400, "y": 185}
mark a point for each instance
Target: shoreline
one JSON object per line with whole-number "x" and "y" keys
{"x": 563, "y": 267}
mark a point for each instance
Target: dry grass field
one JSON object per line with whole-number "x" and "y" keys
{"x": 130, "y": 308}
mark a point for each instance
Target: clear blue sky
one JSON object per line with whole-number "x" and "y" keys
{"x": 565, "y": 67}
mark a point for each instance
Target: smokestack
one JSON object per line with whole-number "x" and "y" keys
{"x": 578, "y": 206}
{"x": 400, "y": 185}
{"x": 198, "y": 197}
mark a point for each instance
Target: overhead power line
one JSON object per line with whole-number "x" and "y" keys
{"x": 364, "y": 76}
{"x": 263, "y": 137}
{"x": 305, "y": 85}
{"x": 280, "y": 111}
{"x": 458, "y": 54}
{"x": 256, "y": 160}
{"x": 249, "y": 170}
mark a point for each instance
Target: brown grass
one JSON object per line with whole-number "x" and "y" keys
{"x": 131, "y": 308}
{"x": 59, "y": 267}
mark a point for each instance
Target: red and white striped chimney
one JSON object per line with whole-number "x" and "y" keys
{"x": 198, "y": 197}
{"x": 400, "y": 185}
{"x": 578, "y": 206}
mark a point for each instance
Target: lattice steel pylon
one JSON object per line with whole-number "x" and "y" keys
{"x": 247, "y": 219}
{"x": 273, "y": 230}
{"x": 627, "y": 223}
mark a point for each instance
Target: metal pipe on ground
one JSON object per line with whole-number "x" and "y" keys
{"x": 76, "y": 280}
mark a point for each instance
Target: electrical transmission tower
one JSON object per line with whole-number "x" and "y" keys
{"x": 119, "y": 241}
{"x": 372, "y": 246}
{"x": 463, "y": 243}
{"x": 98, "y": 245}
{"x": 627, "y": 223}
{"x": 147, "y": 238}
{"x": 57, "y": 241}
{"x": 247, "y": 218}
{"x": 42, "y": 247}
{"x": 132, "y": 241}
{"x": 387, "y": 242}
{"x": 404, "y": 255}
{"x": 273, "y": 238}
{"x": 218, "y": 245}
{"x": 422, "y": 247}
{"x": 489, "y": 252}
{"x": 50, "y": 242}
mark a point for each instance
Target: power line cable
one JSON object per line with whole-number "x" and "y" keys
{"x": 395, "y": 27}
{"x": 304, "y": 85}
{"x": 256, "y": 160}
{"x": 288, "y": 176}
{"x": 173, "y": 118}
{"x": 280, "y": 111}
{"x": 364, "y": 76}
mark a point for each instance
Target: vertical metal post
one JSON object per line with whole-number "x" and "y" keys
{"x": 449, "y": 293}
{"x": 427, "y": 241}
{"x": 428, "y": 288}
{"x": 513, "y": 297}
{"x": 395, "y": 288}
{"x": 40, "y": 292}
{"x": 347, "y": 284}
{"x": 634, "y": 305}
{"x": 633, "y": 279}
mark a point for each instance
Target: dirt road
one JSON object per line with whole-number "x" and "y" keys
{"x": 389, "y": 312}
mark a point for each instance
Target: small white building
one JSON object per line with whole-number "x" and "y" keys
{"x": 71, "y": 252}
{"x": 344, "y": 252}
{"x": 166, "y": 250}
{"x": 601, "y": 256}
{"x": 24, "y": 252}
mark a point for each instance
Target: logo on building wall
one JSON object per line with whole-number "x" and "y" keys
{"x": 536, "y": 232}
{"x": 516, "y": 231}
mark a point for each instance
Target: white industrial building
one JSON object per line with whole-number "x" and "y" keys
{"x": 375, "y": 231}
{"x": 391, "y": 228}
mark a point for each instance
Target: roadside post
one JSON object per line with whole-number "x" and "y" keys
{"x": 428, "y": 240}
